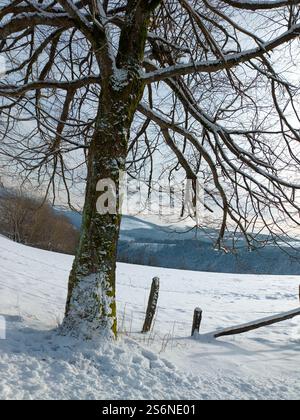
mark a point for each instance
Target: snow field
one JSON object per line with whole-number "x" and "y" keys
{"x": 36, "y": 363}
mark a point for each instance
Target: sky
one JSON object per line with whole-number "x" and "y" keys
{"x": 2, "y": 65}
{"x": 278, "y": 58}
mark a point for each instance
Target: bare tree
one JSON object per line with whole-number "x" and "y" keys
{"x": 32, "y": 221}
{"x": 111, "y": 83}
{"x": 15, "y": 209}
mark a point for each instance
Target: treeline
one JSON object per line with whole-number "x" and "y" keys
{"x": 30, "y": 221}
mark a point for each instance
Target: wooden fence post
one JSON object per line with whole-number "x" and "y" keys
{"x": 197, "y": 321}
{"x": 152, "y": 305}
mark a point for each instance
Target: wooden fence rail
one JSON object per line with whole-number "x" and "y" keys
{"x": 250, "y": 326}
{"x": 264, "y": 322}
{"x": 197, "y": 317}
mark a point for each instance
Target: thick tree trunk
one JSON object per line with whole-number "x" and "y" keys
{"x": 91, "y": 305}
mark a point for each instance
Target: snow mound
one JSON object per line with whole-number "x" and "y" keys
{"x": 44, "y": 365}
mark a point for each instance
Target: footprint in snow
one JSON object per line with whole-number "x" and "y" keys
{"x": 149, "y": 355}
{"x": 168, "y": 364}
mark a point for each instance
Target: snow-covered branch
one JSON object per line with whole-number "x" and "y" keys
{"x": 228, "y": 62}
{"x": 16, "y": 91}
{"x": 260, "y": 5}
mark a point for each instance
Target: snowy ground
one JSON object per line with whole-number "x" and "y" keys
{"x": 36, "y": 363}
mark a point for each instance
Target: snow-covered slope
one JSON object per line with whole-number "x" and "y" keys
{"x": 36, "y": 363}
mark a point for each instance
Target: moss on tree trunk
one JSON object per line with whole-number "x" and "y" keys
{"x": 91, "y": 305}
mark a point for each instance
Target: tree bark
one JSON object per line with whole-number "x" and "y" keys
{"x": 91, "y": 305}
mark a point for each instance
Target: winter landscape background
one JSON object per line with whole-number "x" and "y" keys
{"x": 186, "y": 113}
{"x": 151, "y": 241}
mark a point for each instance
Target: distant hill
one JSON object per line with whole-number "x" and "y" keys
{"x": 74, "y": 217}
{"x": 146, "y": 243}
